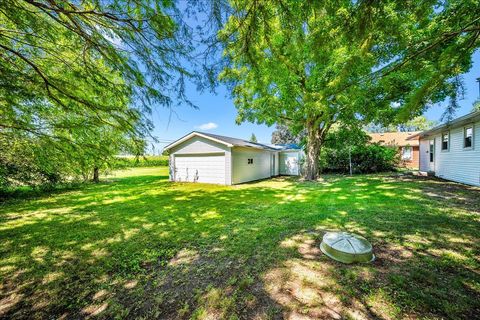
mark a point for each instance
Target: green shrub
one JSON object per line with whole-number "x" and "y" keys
{"x": 368, "y": 158}
{"x": 31, "y": 163}
{"x": 345, "y": 141}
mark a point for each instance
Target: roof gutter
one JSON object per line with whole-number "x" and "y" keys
{"x": 192, "y": 134}
{"x": 456, "y": 122}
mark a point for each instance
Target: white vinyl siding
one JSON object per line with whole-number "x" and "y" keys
{"x": 445, "y": 141}
{"x": 289, "y": 163}
{"x": 274, "y": 163}
{"x": 468, "y": 137}
{"x": 243, "y": 171}
{"x": 199, "y": 159}
{"x": 458, "y": 164}
{"x": 198, "y": 145}
{"x": 277, "y": 163}
{"x": 171, "y": 167}
{"x": 424, "y": 152}
{"x": 206, "y": 168}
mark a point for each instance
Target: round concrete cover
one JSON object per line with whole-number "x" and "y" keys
{"x": 347, "y": 247}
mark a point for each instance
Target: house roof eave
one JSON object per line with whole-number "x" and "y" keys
{"x": 466, "y": 119}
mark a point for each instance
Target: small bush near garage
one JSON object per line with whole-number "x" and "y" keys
{"x": 366, "y": 157}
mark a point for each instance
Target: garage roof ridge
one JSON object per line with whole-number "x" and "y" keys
{"x": 228, "y": 141}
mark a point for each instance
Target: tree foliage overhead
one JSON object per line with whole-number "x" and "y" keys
{"x": 283, "y": 135}
{"x": 313, "y": 64}
{"x": 81, "y": 77}
{"x": 476, "y": 105}
{"x": 419, "y": 123}
{"x": 76, "y": 56}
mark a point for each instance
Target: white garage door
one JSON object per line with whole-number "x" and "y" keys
{"x": 289, "y": 163}
{"x": 205, "y": 168}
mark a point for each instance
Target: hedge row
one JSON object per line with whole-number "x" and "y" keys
{"x": 143, "y": 161}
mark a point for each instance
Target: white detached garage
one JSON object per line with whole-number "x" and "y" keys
{"x": 210, "y": 158}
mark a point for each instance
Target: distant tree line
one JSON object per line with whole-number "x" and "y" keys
{"x": 419, "y": 123}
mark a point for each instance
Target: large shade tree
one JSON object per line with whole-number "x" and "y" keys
{"x": 81, "y": 76}
{"x": 76, "y": 55}
{"x": 315, "y": 63}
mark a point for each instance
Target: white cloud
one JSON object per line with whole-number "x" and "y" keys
{"x": 207, "y": 126}
{"x": 395, "y": 104}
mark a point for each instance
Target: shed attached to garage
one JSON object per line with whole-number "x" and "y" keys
{"x": 211, "y": 158}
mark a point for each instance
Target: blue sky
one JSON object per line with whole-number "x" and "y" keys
{"x": 217, "y": 112}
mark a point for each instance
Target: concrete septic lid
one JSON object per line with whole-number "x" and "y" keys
{"x": 347, "y": 247}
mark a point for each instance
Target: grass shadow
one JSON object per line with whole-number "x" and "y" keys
{"x": 143, "y": 247}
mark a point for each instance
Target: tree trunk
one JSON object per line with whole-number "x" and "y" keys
{"x": 314, "y": 144}
{"x": 96, "y": 175}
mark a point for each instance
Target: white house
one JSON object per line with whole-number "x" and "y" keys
{"x": 452, "y": 150}
{"x": 211, "y": 158}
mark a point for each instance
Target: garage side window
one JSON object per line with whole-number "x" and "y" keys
{"x": 250, "y": 161}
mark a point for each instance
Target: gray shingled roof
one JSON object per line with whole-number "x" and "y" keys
{"x": 237, "y": 142}
{"x": 285, "y": 146}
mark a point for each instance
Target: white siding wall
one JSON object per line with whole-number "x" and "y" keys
{"x": 171, "y": 167}
{"x": 273, "y": 163}
{"x": 237, "y": 169}
{"x": 277, "y": 164}
{"x": 243, "y": 172}
{"x": 458, "y": 164}
{"x": 198, "y": 145}
{"x": 228, "y": 167}
{"x": 290, "y": 163}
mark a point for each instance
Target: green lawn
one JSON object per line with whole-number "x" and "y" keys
{"x": 139, "y": 246}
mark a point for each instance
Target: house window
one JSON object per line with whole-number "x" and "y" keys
{"x": 445, "y": 141}
{"x": 250, "y": 161}
{"x": 468, "y": 137}
{"x": 407, "y": 153}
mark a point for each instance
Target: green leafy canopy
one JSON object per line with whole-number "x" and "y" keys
{"x": 80, "y": 78}
{"x": 312, "y": 64}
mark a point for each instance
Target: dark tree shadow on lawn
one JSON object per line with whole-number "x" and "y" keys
{"x": 143, "y": 247}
